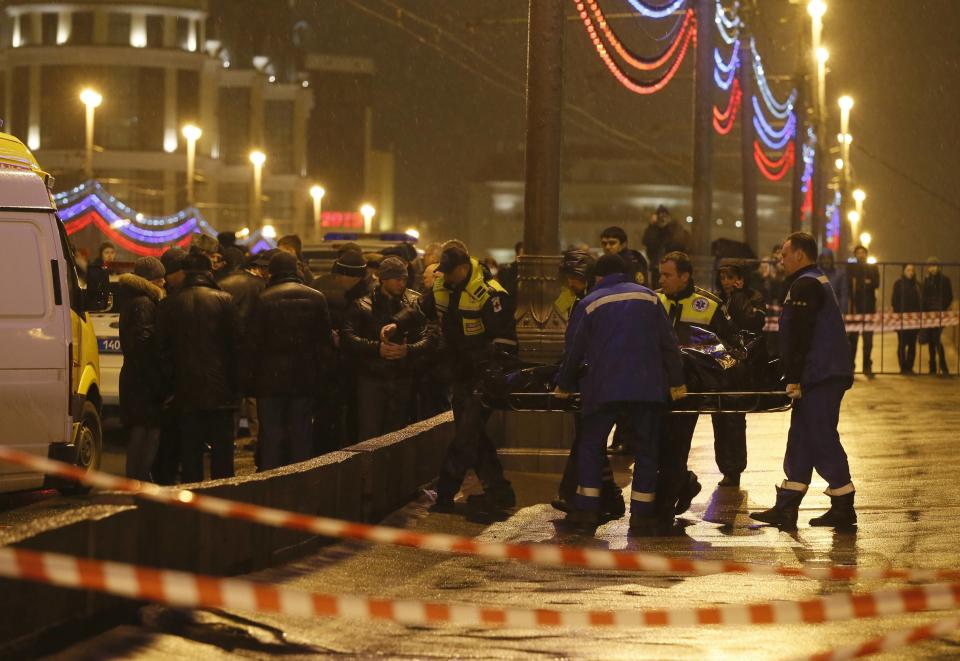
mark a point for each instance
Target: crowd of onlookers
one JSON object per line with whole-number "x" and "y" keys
{"x": 857, "y": 284}
{"x": 219, "y": 344}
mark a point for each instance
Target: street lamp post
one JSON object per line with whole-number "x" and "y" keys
{"x": 846, "y": 105}
{"x": 368, "y": 212}
{"x": 859, "y": 197}
{"x": 257, "y": 158}
{"x": 192, "y": 134}
{"x": 816, "y": 9}
{"x": 92, "y": 100}
{"x": 317, "y": 192}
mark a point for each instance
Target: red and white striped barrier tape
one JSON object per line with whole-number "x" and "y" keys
{"x": 887, "y": 321}
{"x": 889, "y": 642}
{"x": 541, "y": 554}
{"x": 198, "y": 591}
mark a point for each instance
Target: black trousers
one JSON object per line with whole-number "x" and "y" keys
{"x": 199, "y": 429}
{"x": 675, "y": 439}
{"x": 907, "y": 349}
{"x": 935, "y": 343}
{"x": 167, "y": 462}
{"x": 471, "y": 447}
{"x": 730, "y": 442}
{"x": 384, "y": 405}
{"x": 867, "y": 349}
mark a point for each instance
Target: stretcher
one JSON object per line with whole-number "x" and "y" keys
{"x": 725, "y": 378}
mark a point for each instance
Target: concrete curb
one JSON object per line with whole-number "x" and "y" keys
{"x": 360, "y": 483}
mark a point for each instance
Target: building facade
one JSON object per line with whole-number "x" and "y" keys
{"x": 159, "y": 66}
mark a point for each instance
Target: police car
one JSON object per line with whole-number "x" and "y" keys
{"x": 106, "y": 324}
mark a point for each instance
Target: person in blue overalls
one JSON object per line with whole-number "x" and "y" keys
{"x": 816, "y": 361}
{"x": 633, "y": 369}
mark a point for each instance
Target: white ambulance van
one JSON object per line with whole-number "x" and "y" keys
{"x": 49, "y": 365}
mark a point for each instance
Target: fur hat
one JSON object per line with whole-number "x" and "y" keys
{"x": 149, "y": 268}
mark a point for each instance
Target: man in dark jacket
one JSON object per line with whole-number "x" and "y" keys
{"x": 613, "y": 240}
{"x": 863, "y": 278}
{"x": 141, "y": 384}
{"x": 289, "y": 352}
{"x": 743, "y": 310}
{"x": 634, "y": 370}
{"x": 937, "y": 297}
{"x": 346, "y": 282}
{"x": 199, "y": 337}
{"x": 818, "y": 370}
{"x": 907, "y": 298}
{"x": 385, "y": 368}
{"x": 167, "y": 463}
{"x": 476, "y": 316}
{"x": 246, "y": 284}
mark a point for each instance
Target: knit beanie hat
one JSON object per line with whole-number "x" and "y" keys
{"x": 149, "y": 268}
{"x": 350, "y": 263}
{"x": 283, "y": 264}
{"x": 172, "y": 260}
{"x": 393, "y": 267}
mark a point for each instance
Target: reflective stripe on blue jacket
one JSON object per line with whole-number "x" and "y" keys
{"x": 621, "y": 332}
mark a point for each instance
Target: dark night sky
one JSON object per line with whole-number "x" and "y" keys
{"x": 899, "y": 59}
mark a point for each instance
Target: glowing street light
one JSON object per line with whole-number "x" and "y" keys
{"x": 257, "y": 158}
{"x": 839, "y": 164}
{"x": 866, "y": 239}
{"x": 192, "y": 134}
{"x": 368, "y": 212}
{"x": 859, "y": 196}
{"x": 92, "y": 100}
{"x": 854, "y": 218}
{"x": 317, "y": 192}
{"x": 822, "y": 55}
{"x": 816, "y": 9}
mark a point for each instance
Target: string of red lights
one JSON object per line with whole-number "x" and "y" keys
{"x": 631, "y": 58}
{"x": 636, "y": 86}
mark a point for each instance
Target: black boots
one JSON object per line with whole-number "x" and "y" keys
{"x": 688, "y": 492}
{"x": 731, "y": 480}
{"x": 784, "y": 513}
{"x": 840, "y": 515}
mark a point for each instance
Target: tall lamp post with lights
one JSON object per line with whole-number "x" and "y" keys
{"x": 192, "y": 134}
{"x": 257, "y": 159}
{"x": 92, "y": 100}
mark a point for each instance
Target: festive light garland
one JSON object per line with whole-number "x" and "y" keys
{"x": 94, "y": 187}
{"x": 627, "y": 81}
{"x": 725, "y": 83}
{"x": 725, "y": 25}
{"x": 727, "y": 67}
{"x": 657, "y": 12}
{"x": 773, "y": 170}
{"x": 723, "y": 122}
{"x": 776, "y": 108}
{"x": 634, "y": 60}
{"x": 730, "y": 23}
{"x": 774, "y": 139}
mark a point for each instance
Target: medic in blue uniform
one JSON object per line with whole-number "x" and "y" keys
{"x": 633, "y": 369}
{"x": 816, "y": 359}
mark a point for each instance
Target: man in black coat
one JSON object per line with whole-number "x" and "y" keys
{"x": 864, "y": 278}
{"x": 385, "y": 369}
{"x": 937, "y": 294}
{"x": 289, "y": 352}
{"x": 246, "y": 284}
{"x": 347, "y": 281}
{"x": 199, "y": 337}
{"x": 743, "y": 310}
{"x": 614, "y": 242}
{"x": 907, "y": 298}
{"x": 141, "y": 385}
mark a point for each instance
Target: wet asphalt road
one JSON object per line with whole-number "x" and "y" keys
{"x": 902, "y": 435}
